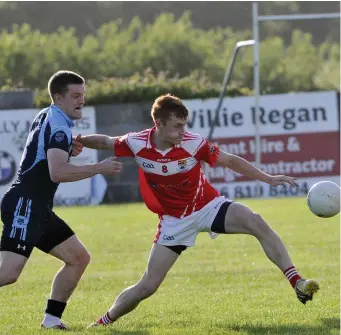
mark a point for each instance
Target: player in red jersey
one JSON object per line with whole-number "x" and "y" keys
{"x": 173, "y": 186}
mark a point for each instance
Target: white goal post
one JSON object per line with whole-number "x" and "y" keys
{"x": 256, "y": 19}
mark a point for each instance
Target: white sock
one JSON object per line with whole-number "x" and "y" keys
{"x": 213, "y": 235}
{"x": 51, "y": 320}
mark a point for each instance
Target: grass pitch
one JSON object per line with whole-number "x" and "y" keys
{"x": 222, "y": 286}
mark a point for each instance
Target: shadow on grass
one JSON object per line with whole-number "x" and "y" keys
{"x": 333, "y": 323}
{"x": 108, "y": 331}
{"x": 120, "y": 332}
{"x": 326, "y": 327}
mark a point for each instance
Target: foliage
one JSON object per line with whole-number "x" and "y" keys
{"x": 146, "y": 87}
{"x": 29, "y": 57}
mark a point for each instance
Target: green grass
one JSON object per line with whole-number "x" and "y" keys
{"x": 222, "y": 286}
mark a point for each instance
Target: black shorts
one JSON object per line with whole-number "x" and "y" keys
{"x": 28, "y": 223}
{"x": 218, "y": 224}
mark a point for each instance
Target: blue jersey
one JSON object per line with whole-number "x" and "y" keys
{"x": 51, "y": 128}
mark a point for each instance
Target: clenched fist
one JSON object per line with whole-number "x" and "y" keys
{"x": 110, "y": 166}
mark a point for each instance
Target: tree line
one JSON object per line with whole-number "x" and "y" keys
{"x": 162, "y": 52}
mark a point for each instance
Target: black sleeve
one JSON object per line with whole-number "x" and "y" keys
{"x": 60, "y": 140}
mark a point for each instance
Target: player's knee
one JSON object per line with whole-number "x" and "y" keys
{"x": 257, "y": 225}
{"x": 85, "y": 258}
{"x": 148, "y": 289}
{"x": 81, "y": 258}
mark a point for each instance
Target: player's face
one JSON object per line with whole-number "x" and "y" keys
{"x": 72, "y": 101}
{"x": 173, "y": 130}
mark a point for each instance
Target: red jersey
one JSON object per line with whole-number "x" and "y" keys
{"x": 172, "y": 181}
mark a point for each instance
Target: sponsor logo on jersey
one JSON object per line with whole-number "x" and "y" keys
{"x": 168, "y": 238}
{"x": 211, "y": 148}
{"x": 182, "y": 164}
{"x": 148, "y": 165}
{"x": 59, "y": 136}
{"x": 163, "y": 160}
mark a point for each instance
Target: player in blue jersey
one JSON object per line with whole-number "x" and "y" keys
{"x": 26, "y": 209}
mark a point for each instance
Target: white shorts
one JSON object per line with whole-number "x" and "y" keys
{"x": 183, "y": 231}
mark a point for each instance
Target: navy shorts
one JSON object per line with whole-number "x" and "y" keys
{"x": 29, "y": 223}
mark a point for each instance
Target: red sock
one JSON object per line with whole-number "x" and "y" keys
{"x": 105, "y": 319}
{"x": 292, "y": 275}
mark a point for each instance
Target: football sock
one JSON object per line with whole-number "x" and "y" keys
{"x": 51, "y": 320}
{"x": 292, "y": 275}
{"x": 53, "y": 312}
{"x": 105, "y": 319}
{"x": 55, "y": 308}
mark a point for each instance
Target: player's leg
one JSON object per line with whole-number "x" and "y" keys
{"x": 160, "y": 261}
{"x": 11, "y": 266}
{"x": 60, "y": 241}
{"x": 76, "y": 258}
{"x": 236, "y": 218}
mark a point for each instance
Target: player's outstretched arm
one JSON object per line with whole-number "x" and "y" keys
{"x": 96, "y": 141}
{"x": 242, "y": 166}
{"x": 61, "y": 171}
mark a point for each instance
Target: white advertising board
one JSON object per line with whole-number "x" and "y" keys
{"x": 300, "y": 137}
{"x": 14, "y": 126}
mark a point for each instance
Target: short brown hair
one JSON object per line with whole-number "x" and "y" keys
{"x": 167, "y": 105}
{"x": 59, "y": 82}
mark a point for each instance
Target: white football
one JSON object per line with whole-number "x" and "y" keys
{"x": 324, "y": 199}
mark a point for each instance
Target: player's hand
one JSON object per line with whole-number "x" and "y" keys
{"x": 281, "y": 180}
{"x": 110, "y": 166}
{"x": 77, "y": 146}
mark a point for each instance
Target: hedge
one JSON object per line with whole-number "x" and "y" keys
{"x": 145, "y": 88}
{"x": 29, "y": 57}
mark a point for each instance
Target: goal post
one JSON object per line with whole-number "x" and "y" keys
{"x": 228, "y": 73}
{"x": 256, "y": 20}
